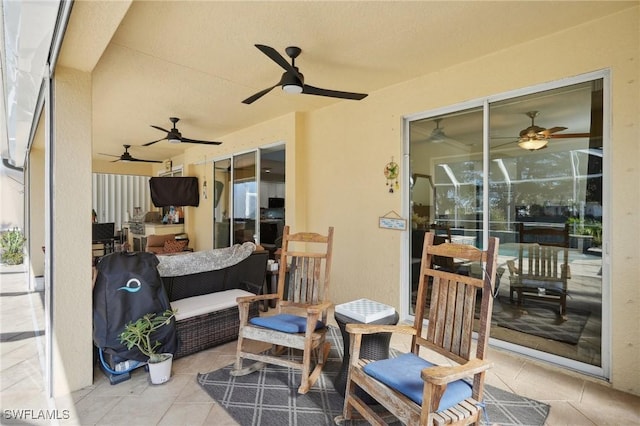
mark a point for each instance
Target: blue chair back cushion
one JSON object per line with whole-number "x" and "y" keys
{"x": 284, "y": 322}
{"x": 403, "y": 374}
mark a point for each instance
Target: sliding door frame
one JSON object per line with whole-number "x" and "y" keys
{"x": 603, "y": 371}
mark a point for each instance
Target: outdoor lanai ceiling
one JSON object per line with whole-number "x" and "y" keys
{"x": 197, "y": 60}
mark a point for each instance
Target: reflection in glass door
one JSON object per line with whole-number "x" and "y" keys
{"x": 446, "y": 184}
{"x": 221, "y": 203}
{"x": 542, "y": 185}
{"x": 245, "y": 198}
{"x": 248, "y": 197}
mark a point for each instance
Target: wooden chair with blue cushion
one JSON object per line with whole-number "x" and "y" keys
{"x": 441, "y": 379}
{"x": 302, "y": 307}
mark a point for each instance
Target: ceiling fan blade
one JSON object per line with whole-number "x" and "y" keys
{"x": 144, "y": 161}
{"x": 570, "y": 135}
{"x": 276, "y": 57}
{"x": 554, "y": 129}
{"x": 504, "y": 144}
{"x": 152, "y": 142}
{"x": 160, "y": 128}
{"x": 311, "y": 90}
{"x": 547, "y": 132}
{"x": 187, "y": 140}
{"x": 251, "y": 99}
{"x": 110, "y": 155}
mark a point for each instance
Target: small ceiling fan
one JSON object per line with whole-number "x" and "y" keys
{"x": 437, "y": 135}
{"x": 292, "y": 80}
{"x": 174, "y": 135}
{"x": 127, "y": 157}
{"x": 535, "y": 137}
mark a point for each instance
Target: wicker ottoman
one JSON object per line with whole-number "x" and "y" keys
{"x": 208, "y": 330}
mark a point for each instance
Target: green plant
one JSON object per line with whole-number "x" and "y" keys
{"x": 595, "y": 230}
{"x": 12, "y": 245}
{"x": 138, "y": 333}
{"x": 588, "y": 227}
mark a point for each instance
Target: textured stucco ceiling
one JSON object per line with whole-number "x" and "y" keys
{"x": 197, "y": 60}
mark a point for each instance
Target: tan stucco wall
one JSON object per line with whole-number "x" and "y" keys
{"x": 71, "y": 310}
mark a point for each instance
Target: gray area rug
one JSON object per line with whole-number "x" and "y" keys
{"x": 270, "y": 396}
{"x": 542, "y": 320}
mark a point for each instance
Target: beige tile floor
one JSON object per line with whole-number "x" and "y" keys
{"x": 574, "y": 399}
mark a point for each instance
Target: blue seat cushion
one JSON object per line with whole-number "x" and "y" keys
{"x": 284, "y": 322}
{"x": 403, "y": 374}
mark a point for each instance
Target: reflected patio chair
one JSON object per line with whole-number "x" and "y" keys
{"x": 302, "y": 305}
{"x": 542, "y": 269}
{"x": 414, "y": 387}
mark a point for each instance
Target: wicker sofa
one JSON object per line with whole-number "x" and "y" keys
{"x": 203, "y": 287}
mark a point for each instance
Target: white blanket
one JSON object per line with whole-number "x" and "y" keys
{"x": 203, "y": 261}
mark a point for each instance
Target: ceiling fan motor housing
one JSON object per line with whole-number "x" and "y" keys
{"x": 532, "y": 132}
{"x": 292, "y": 83}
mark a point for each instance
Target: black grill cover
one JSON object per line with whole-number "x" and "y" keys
{"x": 127, "y": 287}
{"x": 174, "y": 191}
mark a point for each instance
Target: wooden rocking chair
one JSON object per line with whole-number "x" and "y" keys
{"x": 410, "y": 388}
{"x": 302, "y": 305}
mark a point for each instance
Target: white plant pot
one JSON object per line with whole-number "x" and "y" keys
{"x": 160, "y": 372}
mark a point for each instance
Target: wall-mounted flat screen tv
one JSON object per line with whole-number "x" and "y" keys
{"x": 275, "y": 203}
{"x": 174, "y": 191}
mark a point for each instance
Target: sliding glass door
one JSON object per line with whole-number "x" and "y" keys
{"x": 249, "y": 190}
{"x": 512, "y": 167}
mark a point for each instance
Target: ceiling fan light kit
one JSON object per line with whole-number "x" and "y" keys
{"x": 292, "y": 88}
{"x": 535, "y": 137}
{"x": 532, "y": 144}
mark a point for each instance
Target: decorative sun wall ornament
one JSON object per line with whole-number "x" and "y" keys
{"x": 391, "y": 171}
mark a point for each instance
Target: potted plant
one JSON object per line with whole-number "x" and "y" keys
{"x": 12, "y": 245}
{"x": 138, "y": 333}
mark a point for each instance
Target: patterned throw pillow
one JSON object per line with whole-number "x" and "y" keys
{"x": 174, "y": 246}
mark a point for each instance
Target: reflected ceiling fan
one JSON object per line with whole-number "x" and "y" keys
{"x": 292, "y": 80}
{"x": 174, "y": 135}
{"x": 127, "y": 157}
{"x": 437, "y": 135}
{"x": 535, "y": 137}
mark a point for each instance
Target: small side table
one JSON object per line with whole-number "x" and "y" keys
{"x": 374, "y": 346}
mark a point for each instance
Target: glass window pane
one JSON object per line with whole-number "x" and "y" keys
{"x": 446, "y": 191}
{"x": 221, "y": 203}
{"x": 545, "y": 173}
{"x": 245, "y": 198}
{"x": 556, "y": 186}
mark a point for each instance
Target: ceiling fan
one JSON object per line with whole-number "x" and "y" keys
{"x": 174, "y": 135}
{"x": 535, "y": 137}
{"x": 292, "y": 80}
{"x": 437, "y": 135}
{"x": 127, "y": 157}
